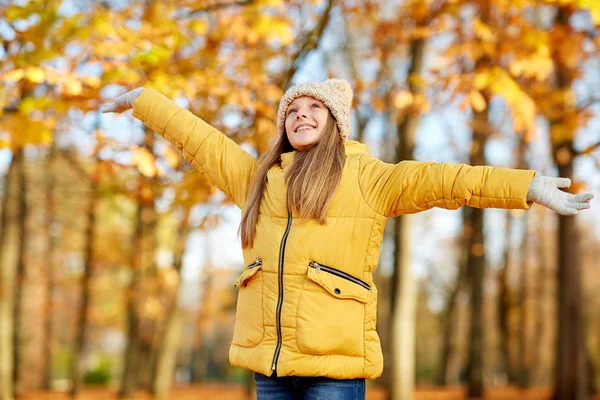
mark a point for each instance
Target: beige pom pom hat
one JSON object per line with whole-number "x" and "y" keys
{"x": 336, "y": 94}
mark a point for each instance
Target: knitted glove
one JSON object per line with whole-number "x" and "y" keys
{"x": 123, "y": 102}
{"x": 544, "y": 190}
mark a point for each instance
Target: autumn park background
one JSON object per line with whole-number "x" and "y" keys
{"x": 118, "y": 258}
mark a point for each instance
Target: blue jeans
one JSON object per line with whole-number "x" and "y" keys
{"x": 308, "y": 388}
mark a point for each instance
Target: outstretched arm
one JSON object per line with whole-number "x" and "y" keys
{"x": 413, "y": 186}
{"x": 225, "y": 163}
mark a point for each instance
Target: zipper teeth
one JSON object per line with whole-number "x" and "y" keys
{"x": 254, "y": 264}
{"x": 341, "y": 274}
{"x": 280, "y": 298}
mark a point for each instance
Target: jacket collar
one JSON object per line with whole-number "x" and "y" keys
{"x": 350, "y": 146}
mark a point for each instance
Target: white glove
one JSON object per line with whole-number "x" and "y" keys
{"x": 544, "y": 190}
{"x": 123, "y": 102}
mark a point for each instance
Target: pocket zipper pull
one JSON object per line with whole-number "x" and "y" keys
{"x": 316, "y": 266}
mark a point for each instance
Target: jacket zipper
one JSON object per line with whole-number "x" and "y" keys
{"x": 339, "y": 273}
{"x": 280, "y": 298}
{"x": 255, "y": 263}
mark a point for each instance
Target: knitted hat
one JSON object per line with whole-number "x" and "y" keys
{"x": 336, "y": 94}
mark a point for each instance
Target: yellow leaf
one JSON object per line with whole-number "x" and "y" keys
{"x": 516, "y": 67}
{"x": 265, "y": 126}
{"x": 272, "y": 92}
{"x": 416, "y": 80}
{"x": 144, "y": 160}
{"x": 35, "y": 74}
{"x": 560, "y": 133}
{"x": 91, "y": 81}
{"x": 102, "y": 26}
{"x": 482, "y": 80}
{"x": 14, "y": 75}
{"x": 403, "y": 99}
{"x": 199, "y": 26}
{"x": 15, "y": 12}
{"x": 482, "y": 30}
{"x": 73, "y": 87}
{"x": 45, "y": 136}
{"x": 285, "y": 35}
{"x": 569, "y": 97}
{"x": 172, "y": 157}
{"x": 477, "y": 101}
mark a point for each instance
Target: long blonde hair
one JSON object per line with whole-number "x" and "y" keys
{"x": 312, "y": 179}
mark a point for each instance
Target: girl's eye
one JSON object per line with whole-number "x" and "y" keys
{"x": 293, "y": 109}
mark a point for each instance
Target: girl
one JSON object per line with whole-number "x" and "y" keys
{"x": 314, "y": 209}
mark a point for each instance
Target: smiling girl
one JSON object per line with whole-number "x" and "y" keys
{"x": 314, "y": 208}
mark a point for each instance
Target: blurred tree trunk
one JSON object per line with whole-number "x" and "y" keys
{"x": 50, "y": 284}
{"x": 505, "y": 304}
{"x": 130, "y": 364}
{"x": 200, "y": 366}
{"x": 524, "y": 317}
{"x": 476, "y": 264}
{"x": 150, "y": 334}
{"x": 83, "y": 317}
{"x": 352, "y": 57}
{"x": 571, "y": 363}
{"x": 250, "y": 384}
{"x": 404, "y": 315}
{"x": 167, "y": 354}
{"x": 524, "y": 314}
{"x": 9, "y": 244}
{"x": 540, "y": 329}
{"x": 20, "y": 276}
{"x": 571, "y": 374}
{"x": 142, "y": 262}
{"x": 404, "y": 290}
{"x": 448, "y": 320}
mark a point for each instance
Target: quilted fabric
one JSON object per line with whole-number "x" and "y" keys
{"x": 327, "y": 299}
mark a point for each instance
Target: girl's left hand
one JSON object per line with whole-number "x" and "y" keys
{"x": 544, "y": 190}
{"x": 123, "y": 102}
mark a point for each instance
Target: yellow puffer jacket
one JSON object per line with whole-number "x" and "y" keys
{"x": 307, "y": 303}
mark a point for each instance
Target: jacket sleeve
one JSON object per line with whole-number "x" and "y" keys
{"x": 222, "y": 160}
{"x": 412, "y": 186}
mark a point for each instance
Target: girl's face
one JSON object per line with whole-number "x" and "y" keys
{"x": 305, "y": 121}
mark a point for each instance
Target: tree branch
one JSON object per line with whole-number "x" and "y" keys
{"x": 587, "y": 150}
{"x": 217, "y": 6}
{"x": 309, "y": 43}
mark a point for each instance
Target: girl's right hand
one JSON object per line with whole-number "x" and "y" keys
{"x": 123, "y": 102}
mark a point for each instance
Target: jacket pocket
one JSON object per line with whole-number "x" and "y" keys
{"x": 249, "y": 327}
{"x": 331, "y": 312}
